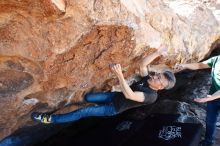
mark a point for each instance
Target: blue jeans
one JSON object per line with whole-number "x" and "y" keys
{"x": 105, "y": 108}
{"x": 213, "y": 108}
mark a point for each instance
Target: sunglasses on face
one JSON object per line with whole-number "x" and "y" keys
{"x": 154, "y": 74}
{"x": 158, "y": 75}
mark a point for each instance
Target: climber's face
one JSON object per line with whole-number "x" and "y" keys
{"x": 157, "y": 81}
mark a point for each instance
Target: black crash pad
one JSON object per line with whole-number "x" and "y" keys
{"x": 159, "y": 130}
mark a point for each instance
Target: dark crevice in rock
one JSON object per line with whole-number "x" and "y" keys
{"x": 214, "y": 49}
{"x": 14, "y": 65}
{"x": 12, "y": 81}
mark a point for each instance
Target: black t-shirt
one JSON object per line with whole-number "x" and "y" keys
{"x": 121, "y": 103}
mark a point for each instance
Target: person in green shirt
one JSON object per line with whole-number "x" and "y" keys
{"x": 212, "y": 99}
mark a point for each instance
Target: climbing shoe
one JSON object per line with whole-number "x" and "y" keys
{"x": 41, "y": 117}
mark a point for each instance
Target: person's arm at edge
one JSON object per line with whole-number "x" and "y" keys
{"x": 193, "y": 66}
{"x": 214, "y": 96}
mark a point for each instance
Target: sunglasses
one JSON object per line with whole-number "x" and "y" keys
{"x": 158, "y": 75}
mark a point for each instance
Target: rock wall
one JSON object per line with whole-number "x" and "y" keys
{"x": 54, "y": 51}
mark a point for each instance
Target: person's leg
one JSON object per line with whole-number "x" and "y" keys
{"x": 211, "y": 118}
{"x": 100, "y": 97}
{"x": 99, "y": 110}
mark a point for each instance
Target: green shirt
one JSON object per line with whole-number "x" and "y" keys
{"x": 214, "y": 63}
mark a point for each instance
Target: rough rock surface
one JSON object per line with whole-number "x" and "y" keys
{"x": 54, "y": 51}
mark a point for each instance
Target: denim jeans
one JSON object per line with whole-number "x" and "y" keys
{"x": 105, "y": 107}
{"x": 213, "y": 108}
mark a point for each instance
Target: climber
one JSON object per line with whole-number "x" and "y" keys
{"x": 212, "y": 99}
{"x": 111, "y": 103}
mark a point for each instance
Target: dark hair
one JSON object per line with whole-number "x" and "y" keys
{"x": 171, "y": 79}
